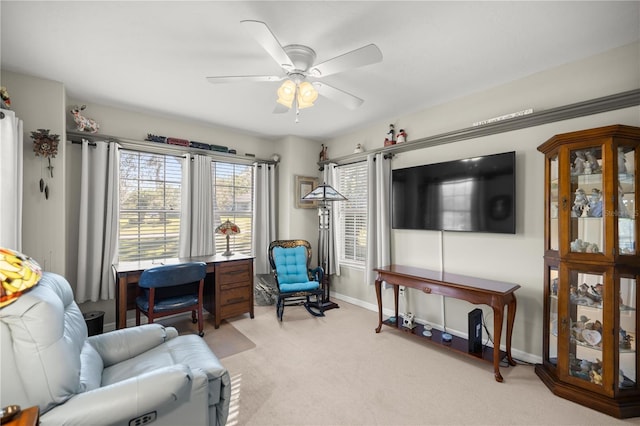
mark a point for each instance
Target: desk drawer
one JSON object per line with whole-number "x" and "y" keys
{"x": 235, "y": 295}
{"x": 233, "y": 272}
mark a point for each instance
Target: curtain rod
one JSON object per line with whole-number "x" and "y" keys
{"x": 160, "y": 148}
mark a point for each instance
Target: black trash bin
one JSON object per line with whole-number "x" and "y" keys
{"x": 95, "y": 322}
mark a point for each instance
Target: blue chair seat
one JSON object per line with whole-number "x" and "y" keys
{"x": 169, "y": 304}
{"x": 304, "y": 286}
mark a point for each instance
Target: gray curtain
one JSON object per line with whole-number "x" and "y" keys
{"x": 196, "y": 214}
{"x": 98, "y": 224}
{"x": 264, "y": 214}
{"x": 11, "y": 141}
{"x": 378, "y": 217}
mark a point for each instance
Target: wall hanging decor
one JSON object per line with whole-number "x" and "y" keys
{"x": 45, "y": 145}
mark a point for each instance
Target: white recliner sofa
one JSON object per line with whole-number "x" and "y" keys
{"x": 133, "y": 376}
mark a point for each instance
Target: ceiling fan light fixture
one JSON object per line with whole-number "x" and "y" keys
{"x": 307, "y": 94}
{"x": 287, "y": 93}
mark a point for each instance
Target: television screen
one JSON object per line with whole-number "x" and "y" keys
{"x": 474, "y": 194}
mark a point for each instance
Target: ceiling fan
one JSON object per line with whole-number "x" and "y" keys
{"x": 301, "y": 86}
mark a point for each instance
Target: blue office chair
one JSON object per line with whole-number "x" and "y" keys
{"x": 297, "y": 283}
{"x": 172, "y": 289}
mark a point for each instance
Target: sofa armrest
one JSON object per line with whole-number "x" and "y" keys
{"x": 119, "y": 345}
{"x": 161, "y": 391}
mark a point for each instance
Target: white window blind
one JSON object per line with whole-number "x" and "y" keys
{"x": 233, "y": 200}
{"x": 352, "y": 214}
{"x": 149, "y": 205}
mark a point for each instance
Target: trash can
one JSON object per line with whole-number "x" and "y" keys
{"x": 95, "y": 322}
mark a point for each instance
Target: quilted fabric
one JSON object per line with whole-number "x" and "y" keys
{"x": 291, "y": 264}
{"x": 291, "y": 267}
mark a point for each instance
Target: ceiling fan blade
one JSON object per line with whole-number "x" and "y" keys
{"x": 243, "y": 78}
{"x": 340, "y": 96}
{"x": 261, "y": 32}
{"x": 366, "y": 55}
{"x": 279, "y": 109}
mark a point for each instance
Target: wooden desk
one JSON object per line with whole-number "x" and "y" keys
{"x": 228, "y": 289}
{"x": 496, "y": 294}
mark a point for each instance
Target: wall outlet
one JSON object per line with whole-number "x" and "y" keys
{"x": 402, "y": 290}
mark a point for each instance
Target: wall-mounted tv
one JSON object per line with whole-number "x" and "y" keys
{"x": 474, "y": 194}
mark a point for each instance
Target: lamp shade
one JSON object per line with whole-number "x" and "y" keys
{"x": 324, "y": 192}
{"x": 287, "y": 93}
{"x": 18, "y": 273}
{"x": 307, "y": 95}
{"x": 228, "y": 228}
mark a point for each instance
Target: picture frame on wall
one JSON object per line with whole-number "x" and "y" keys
{"x": 303, "y": 186}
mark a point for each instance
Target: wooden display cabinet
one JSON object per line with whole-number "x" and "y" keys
{"x": 592, "y": 269}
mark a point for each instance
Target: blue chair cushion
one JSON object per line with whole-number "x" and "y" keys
{"x": 291, "y": 268}
{"x": 169, "y": 304}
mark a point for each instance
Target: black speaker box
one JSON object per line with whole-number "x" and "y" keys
{"x": 475, "y": 331}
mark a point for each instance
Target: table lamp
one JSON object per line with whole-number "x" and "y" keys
{"x": 228, "y": 228}
{"x": 18, "y": 273}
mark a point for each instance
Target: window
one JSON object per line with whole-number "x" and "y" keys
{"x": 352, "y": 214}
{"x": 149, "y": 205}
{"x": 233, "y": 200}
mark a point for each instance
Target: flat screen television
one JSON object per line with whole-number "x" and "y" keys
{"x": 474, "y": 194}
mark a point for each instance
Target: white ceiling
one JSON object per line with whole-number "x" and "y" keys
{"x": 154, "y": 56}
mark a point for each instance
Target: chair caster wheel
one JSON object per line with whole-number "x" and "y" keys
{"x": 201, "y": 334}
{"x": 195, "y": 321}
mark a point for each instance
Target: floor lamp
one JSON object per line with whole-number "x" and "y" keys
{"x": 324, "y": 194}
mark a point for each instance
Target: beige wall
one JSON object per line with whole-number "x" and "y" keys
{"x": 40, "y": 104}
{"x": 513, "y": 258}
{"x": 50, "y": 234}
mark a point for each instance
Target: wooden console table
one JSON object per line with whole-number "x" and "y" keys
{"x": 495, "y": 294}
{"x": 228, "y": 287}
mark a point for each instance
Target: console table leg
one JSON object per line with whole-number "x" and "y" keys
{"x": 379, "y": 297}
{"x": 511, "y": 317}
{"x": 498, "y": 314}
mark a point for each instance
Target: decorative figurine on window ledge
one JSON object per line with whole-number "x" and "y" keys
{"x": 390, "y": 139}
{"x": 402, "y": 136}
{"x": 323, "y": 153}
{"x": 84, "y": 124}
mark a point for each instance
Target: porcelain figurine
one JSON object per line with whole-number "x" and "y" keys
{"x": 390, "y": 138}
{"x": 578, "y": 163}
{"x": 592, "y": 162}
{"x": 595, "y": 203}
{"x": 83, "y": 124}
{"x": 402, "y": 136}
{"x": 580, "y": 203}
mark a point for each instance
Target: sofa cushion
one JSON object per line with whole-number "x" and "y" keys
{"x": 90, "y": 369}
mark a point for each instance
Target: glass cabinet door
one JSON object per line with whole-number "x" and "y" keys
{"x": 586, "y": 324}
{"x": 627, "y": 354}
{"x": 588, "y": 204}
{"x": 552, "y": 352}
{"x": 554, "y": 241}
{"x": 626, "y": 208}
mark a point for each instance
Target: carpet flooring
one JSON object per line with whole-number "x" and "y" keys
{"x": 223, "y": 341}
{"x": 335, "y": 370}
